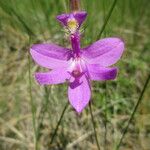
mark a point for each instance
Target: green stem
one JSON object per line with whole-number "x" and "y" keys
{"x": 43, "y": 111}
{"x": 134, "y": 110}
{"x": 107, "y": 18}
{"x": 105, "y": 121}
{"x": 58, "y": 124}
{"x": 38, "y": 19}
{"x": 33, "y": 110}
{"x": 93, "y": 122}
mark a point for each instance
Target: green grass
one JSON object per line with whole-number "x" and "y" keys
{"x": 29, "y": 113}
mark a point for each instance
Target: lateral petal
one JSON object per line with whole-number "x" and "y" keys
{"x": 50, "y": 55}
{"x": 56, "y": 76}
{"x": 96, "y": 72}
{"x": 105, "y": 52}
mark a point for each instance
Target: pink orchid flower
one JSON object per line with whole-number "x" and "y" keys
{"x": 78, "y": 66}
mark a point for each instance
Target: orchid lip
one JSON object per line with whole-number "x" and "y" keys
{"x": 79, "y": 16}
{"x": 72, "y": 25}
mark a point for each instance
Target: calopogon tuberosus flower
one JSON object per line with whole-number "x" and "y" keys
{"x": 77, "y": 66}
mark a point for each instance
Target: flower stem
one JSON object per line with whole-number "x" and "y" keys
{"x": 134, "y": 110}
{"x": 105, "y": 121}
{"x": 74, "y": 5}
{"x": 93, "y": 122}
{"x": 58, "y": 124}
{"x": 107, "y": 18}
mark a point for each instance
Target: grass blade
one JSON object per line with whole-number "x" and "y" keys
{"x": 134, "y": 110}
{"x": 58, "y": 124}
{"x": 93, "y": 122}
{"x": 105, "y": 121}
{"x": 43, "y": 111}
{"x": 33, "y": 109}
{"x": 38, "y": 19}
{"x": 107, "y": 18}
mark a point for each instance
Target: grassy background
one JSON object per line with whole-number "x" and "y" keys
{"x": 29, "y": 113}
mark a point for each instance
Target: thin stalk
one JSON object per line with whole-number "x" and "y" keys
{"x": 43, "y": 111}
{"x": 138, "y": 21}
{"x": 58, "y": 124}
{"x": 38, "y": 19}
{"x": 134, "y": 111}
{"x": 107, "y": 18}
{"x": 33, "y": 110}
{"x": 105, "y": 122}
{"x": 104, "y": 13}
{"x": 45, "y": 11}
{"x": 93, "y": 122}
{"x": 105, "y": 103}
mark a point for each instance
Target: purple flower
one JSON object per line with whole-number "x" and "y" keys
{"x": 77, "y": 66}
{"x": 72, "y": 21}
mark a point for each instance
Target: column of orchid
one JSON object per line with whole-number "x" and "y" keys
{"x": 72, "y": 23}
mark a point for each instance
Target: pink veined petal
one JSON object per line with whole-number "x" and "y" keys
{"x": 57, "y": 76}
{"x": 80, "y": 16}
{"x": 79, "y": 93}
{"x": 63, "y": 18}
{"x": 96, "y": 72}
{"x": 50, "y": 55}
{"x": 105, "y": 52}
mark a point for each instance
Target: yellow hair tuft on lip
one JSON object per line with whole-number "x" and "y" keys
{"x": 72, "y": 25}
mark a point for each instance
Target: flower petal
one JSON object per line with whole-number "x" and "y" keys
{"x": 96, "y": 72}
{"x": 56, "y": 76}
{"x": 63, "y": 18}
{"x": 50, "y": 55}
{"x": 79, "y": 93}
{"x": 80, "y": 16}
{"x": 105, "y": 52}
